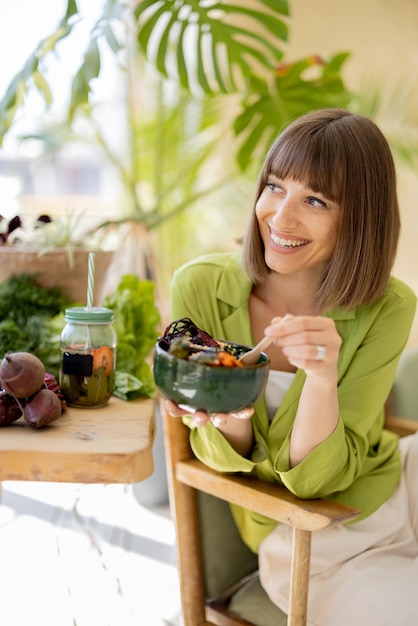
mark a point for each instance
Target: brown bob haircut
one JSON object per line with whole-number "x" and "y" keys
{"x": 346, "y": 158}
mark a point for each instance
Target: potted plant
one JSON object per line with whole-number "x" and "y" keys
{"x": 51, "y": 249}
{"x": 239, "y": 89}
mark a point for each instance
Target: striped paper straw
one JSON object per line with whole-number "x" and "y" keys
{"x": 90, "y": 281}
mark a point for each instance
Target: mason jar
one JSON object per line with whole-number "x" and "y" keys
{"x": 88, "y": 356}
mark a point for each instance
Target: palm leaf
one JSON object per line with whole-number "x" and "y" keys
{"x": 18, "y": 89}
{"x": 91, "y": 64}
{"x": 80, "y": 88}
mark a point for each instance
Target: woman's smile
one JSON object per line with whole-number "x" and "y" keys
{"x": 282, "y": 242}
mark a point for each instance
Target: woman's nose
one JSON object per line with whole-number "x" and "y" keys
{"x": 285, "y": 211}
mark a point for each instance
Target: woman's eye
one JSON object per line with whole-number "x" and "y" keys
{"x": 316, "y": 202}
{"x": 273, "y": 186}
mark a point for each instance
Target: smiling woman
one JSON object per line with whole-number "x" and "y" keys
{"x": 338, "y": 322}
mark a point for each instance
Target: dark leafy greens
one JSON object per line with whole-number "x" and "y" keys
{"x": 26, "y": 309}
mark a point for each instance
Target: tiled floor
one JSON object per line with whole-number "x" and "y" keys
{"x": 85, "y": 555}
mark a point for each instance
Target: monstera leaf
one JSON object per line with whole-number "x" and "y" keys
{"x": 307, "y": 84}
{"x": 211, "y": 45}
{"x": 217, "y": 47}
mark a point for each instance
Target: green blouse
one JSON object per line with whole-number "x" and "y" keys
{"x": 358, "y": 464}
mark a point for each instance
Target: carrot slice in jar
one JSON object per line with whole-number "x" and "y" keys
{"x": 103, "y": 357}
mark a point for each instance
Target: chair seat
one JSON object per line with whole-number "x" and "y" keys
{"x": 252, "y": 604}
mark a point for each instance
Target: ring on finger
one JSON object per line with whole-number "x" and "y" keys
{"x": 321, "y": 353}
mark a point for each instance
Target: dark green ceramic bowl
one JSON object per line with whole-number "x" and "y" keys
{"x": 207, "y": 387}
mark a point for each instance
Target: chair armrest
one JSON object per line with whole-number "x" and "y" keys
{"x": 268, "y": 499}
{"x": 401, "y": 425}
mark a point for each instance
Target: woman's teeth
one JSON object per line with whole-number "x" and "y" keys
{"x": 287, "y": 243}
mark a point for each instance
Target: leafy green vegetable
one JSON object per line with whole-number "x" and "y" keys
{"x": 21, "y": 298}
{"x": 12, "y": 338}
{"x": 26, "y": 309}
{"x": 136, "y": 325}
{"x": 129, "y": 387}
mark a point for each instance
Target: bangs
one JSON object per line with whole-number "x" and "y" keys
{"x": 314, "y": 159}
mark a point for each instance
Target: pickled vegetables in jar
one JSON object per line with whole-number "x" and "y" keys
{"x": 88, "y": 356}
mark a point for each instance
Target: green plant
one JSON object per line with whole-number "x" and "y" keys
{"x": 201, "y": 124}
{"x": 26, "y": 309}
{"x": 237, "y": 50}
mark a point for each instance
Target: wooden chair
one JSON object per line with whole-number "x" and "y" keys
{"x": 218, "y": 574}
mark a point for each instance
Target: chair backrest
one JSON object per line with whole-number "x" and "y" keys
{"x": 404, "y": 396}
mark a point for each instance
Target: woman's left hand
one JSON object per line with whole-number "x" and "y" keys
{"x": 201, "y": 418}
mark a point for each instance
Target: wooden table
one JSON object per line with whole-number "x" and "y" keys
{"x": 112, "y": 444}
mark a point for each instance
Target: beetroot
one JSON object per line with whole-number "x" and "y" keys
{"x": 21, "y": 374}
{"x": 42, "y": 409}
{"x": 10, "y": 411}
{"x": 29, "y": 391}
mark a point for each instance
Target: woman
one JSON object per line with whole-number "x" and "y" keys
{"x": 315, "y": 275}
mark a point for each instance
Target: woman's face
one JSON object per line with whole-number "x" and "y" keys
{"x": 298, "y": 226}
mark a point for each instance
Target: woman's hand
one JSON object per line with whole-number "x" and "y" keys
{"x": 310, "y": 342}
{"x": 236, "y": 427}
{"x": 201, "y": 418}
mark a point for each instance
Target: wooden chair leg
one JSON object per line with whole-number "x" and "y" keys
{"x": 191, "y": 577}
{"x": 184, "y": 510}
{"x": 299, "y": 577}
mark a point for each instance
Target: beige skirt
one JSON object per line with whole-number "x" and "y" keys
{"x": 362, "y": 574}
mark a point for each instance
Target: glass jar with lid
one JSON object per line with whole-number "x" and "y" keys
{"x": 88, "y": 356}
